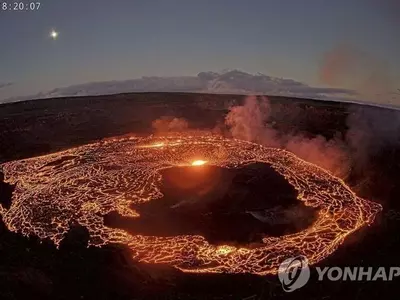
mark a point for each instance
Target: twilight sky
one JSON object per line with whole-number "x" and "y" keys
{"x": 323, "y": 43}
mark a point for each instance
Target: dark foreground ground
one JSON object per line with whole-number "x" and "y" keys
{"x": 34, "y": 269}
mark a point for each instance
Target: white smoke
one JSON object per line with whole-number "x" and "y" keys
{"x": 251, "y": 122}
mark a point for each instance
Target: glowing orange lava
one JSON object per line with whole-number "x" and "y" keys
{"x": 199, "y": 163}
{"x": 82, "y": 184}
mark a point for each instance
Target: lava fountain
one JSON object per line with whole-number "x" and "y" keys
{"x": 84, "y": 184}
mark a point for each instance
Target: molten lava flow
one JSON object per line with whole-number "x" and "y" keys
{"x": 198, "y": 163}
{"x": 83, "y": 184}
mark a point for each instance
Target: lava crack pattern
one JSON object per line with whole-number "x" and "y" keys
{"x": 82, "y": 184}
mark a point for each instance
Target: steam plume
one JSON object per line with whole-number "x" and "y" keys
{"x": 170, "y": 124}
{"x": 350, "y": 67}
{"x": 251, "y": 122}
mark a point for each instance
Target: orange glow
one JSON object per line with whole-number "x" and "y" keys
{"x": 199, "y": 163}
{"x": 82, "y": 184}
{"x": 158, "y": 145}
{"x": 154, "y": 145}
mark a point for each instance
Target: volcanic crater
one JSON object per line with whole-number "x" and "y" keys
{"x": 230, "y": 206}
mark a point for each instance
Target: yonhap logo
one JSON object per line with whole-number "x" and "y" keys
{"x": 294, "y": 273}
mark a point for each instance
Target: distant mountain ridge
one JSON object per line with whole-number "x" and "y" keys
{"x": 224, "y": 82}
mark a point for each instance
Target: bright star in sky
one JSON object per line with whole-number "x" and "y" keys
{"x": 54, "y": 34}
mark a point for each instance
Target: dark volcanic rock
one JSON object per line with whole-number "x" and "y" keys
{"x": 6, "y": 191}
{"x": 33, "y": 269}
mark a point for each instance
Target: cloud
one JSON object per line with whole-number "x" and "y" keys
{"x": 5, "y": 84}
{"x": 229, "y": 82}
{"x": 244, "y": 83}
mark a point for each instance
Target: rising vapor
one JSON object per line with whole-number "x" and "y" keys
{"x": 167, "y": 124}
{"x": 348, "y": 66}
{"x": 251, "y": 122}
